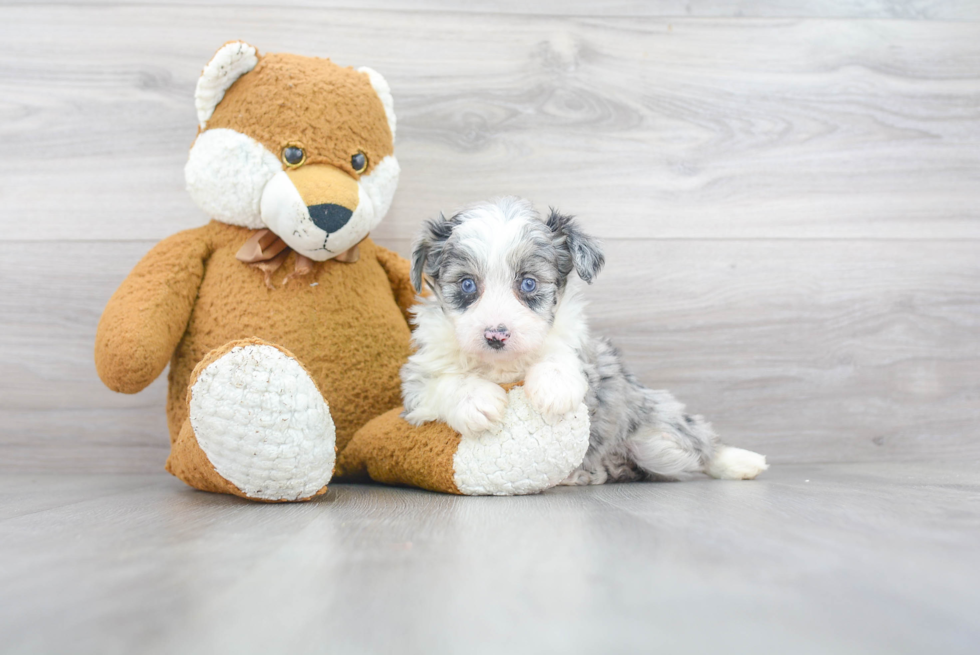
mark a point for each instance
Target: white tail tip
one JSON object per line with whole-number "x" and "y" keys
{"x": 735, "y": 464}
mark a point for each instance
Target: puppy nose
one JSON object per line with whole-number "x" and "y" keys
{"x": 496, "y": 336}
{"x": 329, "y": 217}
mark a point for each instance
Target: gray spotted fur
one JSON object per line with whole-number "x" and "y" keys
{"x": 624, "y": 414}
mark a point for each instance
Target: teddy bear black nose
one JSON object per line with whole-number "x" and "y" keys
{"x": 329, "y": 217}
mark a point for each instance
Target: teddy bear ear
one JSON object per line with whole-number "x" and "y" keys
{"x": 231, "y": 61}
{"x": 381, "y": 87}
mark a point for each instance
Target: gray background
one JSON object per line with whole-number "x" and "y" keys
{"x": 787, "y": 192}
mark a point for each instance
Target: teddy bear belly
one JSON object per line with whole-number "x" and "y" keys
{"x": 341, "y": 323}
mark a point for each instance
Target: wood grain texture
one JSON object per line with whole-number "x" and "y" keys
{"x": 874, "y": 558}
{"x": 790, "y": 206}
{"x": 645, "y": 127}
{"x": 806, "y": 350}
{"x": 946, "y": 10}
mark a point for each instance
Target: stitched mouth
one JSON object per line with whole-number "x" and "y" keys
{"x": 329, "y": 217}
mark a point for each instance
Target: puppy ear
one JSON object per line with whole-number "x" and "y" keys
{"x": 427, "y": 251}
{"x": 587, "y": 257}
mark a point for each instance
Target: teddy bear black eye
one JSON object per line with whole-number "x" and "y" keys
{"x": 358, "y": 162}
{"x": 293, "y": 156}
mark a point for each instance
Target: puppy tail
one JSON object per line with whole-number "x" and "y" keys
{"x": 677, "y": 445}
{"x": 664, "y": 456}
{"x": 730, "y": 463}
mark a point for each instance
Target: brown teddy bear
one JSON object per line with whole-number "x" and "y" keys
{"x": 284, "y": 325}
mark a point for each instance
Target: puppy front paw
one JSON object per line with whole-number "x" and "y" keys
{"x": 553, "y": 391}
{"x": 481, "y": 406}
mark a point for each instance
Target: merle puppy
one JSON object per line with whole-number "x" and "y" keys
{"x": 506, "y": 306}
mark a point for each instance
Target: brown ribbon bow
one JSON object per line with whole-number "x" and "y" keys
{"x": 265, "y": 251}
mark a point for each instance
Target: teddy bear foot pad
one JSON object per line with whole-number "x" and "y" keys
{"x": 523, "y": 454}
{"x": 263, "y": 424}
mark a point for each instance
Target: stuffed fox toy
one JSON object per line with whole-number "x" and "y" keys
{"x": 283, "y": 324}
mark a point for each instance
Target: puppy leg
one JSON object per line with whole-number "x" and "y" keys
{"x": 675, "y": 444}
{"x": 479, "y": 405}
{"x": 669, "y": 444}
{"x": 556, "y": 385}
{"x": 666, "y": 454}
{"x": 467, "y": 403}
{"x": 674, "y": 455}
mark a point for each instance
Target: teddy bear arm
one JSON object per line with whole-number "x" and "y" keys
{"x": 147, "y": 315}
{"x": 398, "y": 270}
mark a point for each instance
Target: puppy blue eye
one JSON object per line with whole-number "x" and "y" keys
{"x": 528, "y": 285}
{"x": 467, "y": 285}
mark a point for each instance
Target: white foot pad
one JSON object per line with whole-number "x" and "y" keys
{"x": 736, "y": 464}
{"x": 263, "y": 424}
{"x": 523, "y": 454}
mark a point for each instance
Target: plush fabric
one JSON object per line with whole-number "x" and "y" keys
{"x": 230, "y": 193}
{"x": 391, "y": 451}
{"x": 190, "y": 463}
{"x": 262, "y": 422}
{"x": 342, "y": 321}
{"x": 284, "y": 367}
{"x": 231, "y": 61}
{"x": 331, "y": 111}
{"x": 522, "y": 455}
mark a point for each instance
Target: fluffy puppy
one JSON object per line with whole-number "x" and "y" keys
{"x": 506, "y": 306}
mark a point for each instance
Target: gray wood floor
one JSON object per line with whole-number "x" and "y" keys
{"x": 860, "y": 558}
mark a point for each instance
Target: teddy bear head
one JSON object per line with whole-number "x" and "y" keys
{"x": 298, "y": 145}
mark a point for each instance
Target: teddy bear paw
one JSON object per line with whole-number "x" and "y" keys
{"x": 263, "y": 424}
{"x": 524, "y": 453}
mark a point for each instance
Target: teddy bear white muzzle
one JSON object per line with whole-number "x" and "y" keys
{"x": 319, "y": 210}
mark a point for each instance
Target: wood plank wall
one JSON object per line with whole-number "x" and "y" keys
{"x": 788, "y": 192}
